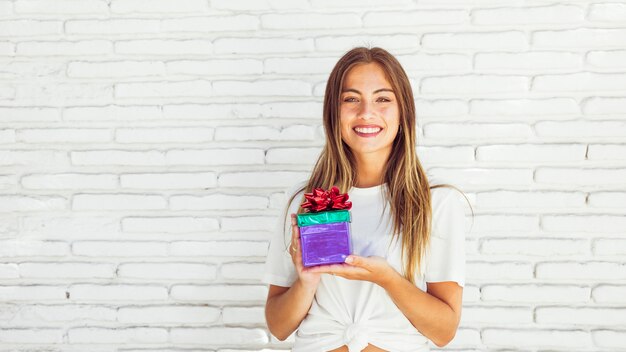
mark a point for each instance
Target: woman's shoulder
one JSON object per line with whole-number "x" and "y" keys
{"x": 446, "y": 201}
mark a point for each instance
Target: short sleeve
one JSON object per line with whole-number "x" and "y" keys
{"x": 446, "y": 261}
{"x": 279, "y": 269}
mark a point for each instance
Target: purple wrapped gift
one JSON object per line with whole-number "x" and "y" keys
{"x": 325, "y": 235}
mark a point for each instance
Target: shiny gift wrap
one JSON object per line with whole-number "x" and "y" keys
{"x": 325, "y": 235}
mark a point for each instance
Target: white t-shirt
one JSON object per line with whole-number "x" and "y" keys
{"x": 356, "y": 312}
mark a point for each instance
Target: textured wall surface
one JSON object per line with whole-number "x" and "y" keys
{"x": 145, "y": 146}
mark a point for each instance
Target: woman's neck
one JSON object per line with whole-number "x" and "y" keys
{"x": 370, "y": 170}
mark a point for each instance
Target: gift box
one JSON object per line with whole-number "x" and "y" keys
{"x": 325, "y": 235}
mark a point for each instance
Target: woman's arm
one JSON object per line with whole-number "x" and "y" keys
{"x": 435, "y": 313}
{"x": 286, "y": 307}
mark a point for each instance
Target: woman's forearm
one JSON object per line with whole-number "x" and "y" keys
{"x": 285, "y": 312}
{"x": 431, "y": 316}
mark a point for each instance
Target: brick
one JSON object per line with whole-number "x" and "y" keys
{"x": 215, "y": 67}
{"x": 445, "y": 155}
{"x": 537, "y": 338}
{"x": 28, "y": 158}
{"x": 528, "y": 60}
{"x": 528, "y": 15}
{"x": 156, "y": 6}
{"x": 219, "y": 248}
{"x": 532, "y": 293}
{"x": 477, "y": 131}
{"x": 32, "y": 70}
{"x": 243, "y": 315}
{"x": 112, "y": 26}
{"x": 440, "y": 107}
{"x": 65, "y": 48}
{"x": 609, "y": 338}
{"x": 484, "y": 176}
{"x": 9, "y": 271}
{"x": 609, "y": 12}
{"x": 32, "y": 336}
{"x": 242, "y": 271}
{"x": 212, "y": 111}
{"x": 305, "y": 65}
{"x": 65, "y": 93}
{"x": 473, "y": 84}
{"x": 168, "y": 314}
{"x": 607, "y": 199}
{"x": 115, "y": 69}
{"x": 606, "y": 59}
{"x": 69, "y": 181}
{"x": 63, "y": 227}
{"x": 255, "y": 5}
{"x": 579, "y": 38}
{"x": 499, "y": 271}
{"x": 217, "y": 202}
{"x": 238, "y": 293}
{"x": 112, "y": 113}
{"x": 309, "y": 20}
{"x": 32, "y": 293}
{"x": 471, "y": 294}
{"x": 117, "y": 292}
{"x": 66, "y": 313}
{"x": 195, "y": 88}
{"x": 524, "y": 107}
{"x": 67, "y": 270}
{"x": 262, "y": 45}
{"x": 586, "y": 271}
{"x": 269, "y": 179}
{"x": 117, "y": 157}
{"x": 531, "y": 153}
{"x": 247, "y": 223}
{"x": 609, "y": 246}
{"x": 64, "y": 135}
{"x": 28, "y": 114}
{"x": 124, "y": 248}
{"x": 32, "y": 203}
{"x": 581, "y": 315}
{"x": 219, "y": 336}
{"x": 484, "y": 41}
{"x": 25, "y": 28}
{"x": 580, "y": 81}
{"x": 169, "y": 224}
{"x": 262, "y": 88}
{"x": 292, "y": 110}
{"x": 389, "y": 42}
{"x": 256, "y": 133}
{"x": 496, "y": 315}
{"x": 609, "y": 294}
{"x": 164, "y": 135}
{"x": 584, "y": 223}
{"x": 581, "y": 129}
{"x": 170, "y": 180}
{"x": 117, "y": 202}
{"x": 292, "y": 155}
{"x": 7, "y": 136}
{"x": 232, "y": 156}
{"x": 164, "y": 47}
{"x": 211, "y": 24}
{"x": 63, "y": 8}
{"x": 580, "y": 176}
{"x": 536, "y": 247}
{"x": 414, "y": 18}
{"x": 530, "y": 199}
{"x": 428, "y": 63}
{"x": 126, "y": 335}
{"x": 604, "y": 105}
{"x": 167, "y": 271}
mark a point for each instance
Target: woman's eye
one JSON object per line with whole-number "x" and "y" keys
{"x": 384, "y": 100}
{"x": 349, "y": 99}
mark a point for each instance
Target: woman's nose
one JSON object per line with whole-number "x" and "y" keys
{"x": 367, "y": 110}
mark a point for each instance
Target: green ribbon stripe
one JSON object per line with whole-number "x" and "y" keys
{"x": 323, "y": 217}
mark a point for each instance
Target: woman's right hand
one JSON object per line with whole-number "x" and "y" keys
{"x": 307, "y": 278}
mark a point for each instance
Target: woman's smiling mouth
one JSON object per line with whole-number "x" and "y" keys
{"x": 367, "y": 131}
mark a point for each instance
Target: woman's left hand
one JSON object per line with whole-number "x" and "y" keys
{"x": 375, "y": 269}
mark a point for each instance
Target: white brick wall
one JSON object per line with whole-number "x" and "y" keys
{"x": 145, "y": 146}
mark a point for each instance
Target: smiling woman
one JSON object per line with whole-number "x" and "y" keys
{"x": 402, "y": 285}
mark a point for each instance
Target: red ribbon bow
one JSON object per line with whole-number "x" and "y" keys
{"x": 320, "y": 200}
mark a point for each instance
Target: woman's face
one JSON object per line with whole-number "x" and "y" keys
{"x": 369, "y": 112}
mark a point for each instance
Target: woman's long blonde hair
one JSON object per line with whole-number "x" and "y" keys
{"x": 408, "y": 189}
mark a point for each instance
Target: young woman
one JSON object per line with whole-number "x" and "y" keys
{"x": 403, "y": 284}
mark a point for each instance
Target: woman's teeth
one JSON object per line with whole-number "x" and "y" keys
{"x": 367, "y": 130}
